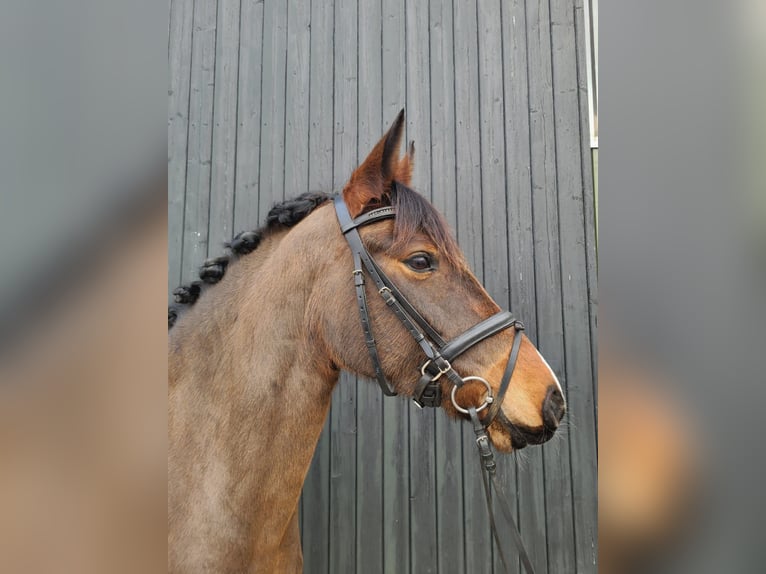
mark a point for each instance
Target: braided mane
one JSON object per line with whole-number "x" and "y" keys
{"x": 282, "y": 215}
{"x": 414, "y": 213}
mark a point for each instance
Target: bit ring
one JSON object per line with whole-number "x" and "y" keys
{"x": 488, "y": 400}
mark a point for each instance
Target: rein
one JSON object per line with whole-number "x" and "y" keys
{"x": 439, "y": 354}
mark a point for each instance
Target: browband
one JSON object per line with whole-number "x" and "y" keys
{"x": 369, "y": 217}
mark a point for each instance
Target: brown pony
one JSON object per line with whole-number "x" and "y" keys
{"x": 253, "y": 363}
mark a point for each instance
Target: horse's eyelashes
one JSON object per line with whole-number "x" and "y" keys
{"x": 420, "y": 262}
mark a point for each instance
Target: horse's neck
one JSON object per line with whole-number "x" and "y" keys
{"x": 248, "y": 399}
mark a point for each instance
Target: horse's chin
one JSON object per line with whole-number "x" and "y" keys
{"x": 501, "y": 438}
{"x": 508, "y": 437}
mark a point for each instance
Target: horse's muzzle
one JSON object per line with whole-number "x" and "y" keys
{"x": 554, "y": 409}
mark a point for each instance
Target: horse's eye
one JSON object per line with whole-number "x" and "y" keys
{"x": 420, "y": 262}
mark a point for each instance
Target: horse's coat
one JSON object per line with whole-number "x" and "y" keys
{"x": 253, "y": 363}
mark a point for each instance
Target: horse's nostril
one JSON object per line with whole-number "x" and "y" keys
{"x": 553, "y": 407}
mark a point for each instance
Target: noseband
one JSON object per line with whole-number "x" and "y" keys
{"x": 439, "y": 354}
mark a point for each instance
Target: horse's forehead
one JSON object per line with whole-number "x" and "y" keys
{"x": 381, "y": 233}
{"x": 380, "y": 236}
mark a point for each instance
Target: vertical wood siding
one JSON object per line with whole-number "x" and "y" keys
{"x": 268, "y": 99}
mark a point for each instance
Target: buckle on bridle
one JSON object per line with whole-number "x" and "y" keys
{"x": 388, "y": 295}
{"x": 441, "y": 372}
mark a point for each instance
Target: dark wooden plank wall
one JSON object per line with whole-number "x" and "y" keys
{"x": 268, "y": 99}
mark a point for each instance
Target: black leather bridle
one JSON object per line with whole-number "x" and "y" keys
{"x": 439, "y": 353}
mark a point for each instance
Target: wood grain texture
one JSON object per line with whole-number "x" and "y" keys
{"x": 423, "y": 504}
{"x": 200, "y": 139}
{"x": 369, "y": 440}
{"x": 268, "y": 99}
{"x": 297, "y": 95}
{"x": 179, "y": 61}
{"x": 343, "y": 430}
{"x": 273, "y": 96}
{"x": 224, "y": 126}
{"x": 248, "y": 157}
{"x": 448, "y": 438}
{"x": 559, "y": 525}
{"x": 521, "y": 255}
{"x": 477, "y": 542}
{"x": 316, "y": 491}
{"x": 396, "y": 459}
{"x": 574, "y": 275}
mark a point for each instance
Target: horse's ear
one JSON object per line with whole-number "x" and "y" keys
{"x": 406, "y": 164}
{"x": 374, "y": 176}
